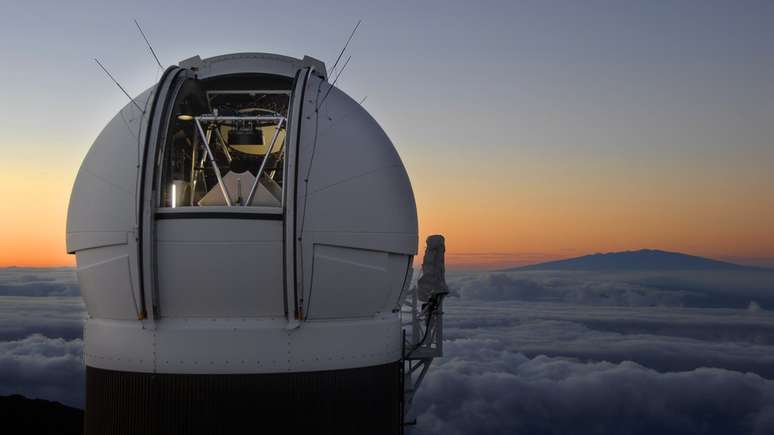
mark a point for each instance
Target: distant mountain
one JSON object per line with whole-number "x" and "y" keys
{"x": 642, "y": 260}
{"x": 20, "y": 415}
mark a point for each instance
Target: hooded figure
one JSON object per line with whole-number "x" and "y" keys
{"x": 433, "y": 280}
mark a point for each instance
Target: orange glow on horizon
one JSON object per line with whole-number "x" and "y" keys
{"x": 480, "y": 235}
{"x": 513, "y": 218}
{"x": 506, "y": 218}
{"x": 33, "y": 215}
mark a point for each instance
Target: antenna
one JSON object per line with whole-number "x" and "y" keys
{"x": 345, "y": 46}
{"x": 119, "y": 85}
{"x": 341, "y": 71}
{"x": 334, "y": 81}
{"x": 153, "y": 52}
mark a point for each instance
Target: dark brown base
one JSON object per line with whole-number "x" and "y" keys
{"x": 364, "y": 400}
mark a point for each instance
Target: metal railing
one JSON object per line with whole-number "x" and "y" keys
{"x": 422, "y": 344}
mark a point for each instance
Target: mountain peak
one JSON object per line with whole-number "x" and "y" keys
{"x": 640, "y": 260}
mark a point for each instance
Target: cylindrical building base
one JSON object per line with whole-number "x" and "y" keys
{"x": 351, "y": 401}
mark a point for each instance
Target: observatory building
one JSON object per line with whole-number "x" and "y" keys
{"x": 244, "y": 234}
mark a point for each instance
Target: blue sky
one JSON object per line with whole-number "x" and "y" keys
{"x": 648, "y": 121}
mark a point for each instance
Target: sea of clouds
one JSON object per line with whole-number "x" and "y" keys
{"x": 21, "y": 281}
{"x": 530, "y": 353}
{"x": 41, "y": 330}
{"x": 705, "y": 289}
{"x": 558, "y": 368}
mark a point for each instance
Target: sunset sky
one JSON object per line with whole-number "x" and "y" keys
{"x": 531, "y": 130}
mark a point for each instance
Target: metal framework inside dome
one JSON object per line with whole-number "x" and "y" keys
{"x": 215, "y": 154}
{"x": 213, "y": 123}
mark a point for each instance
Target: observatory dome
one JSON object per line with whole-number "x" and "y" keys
{"x": 243, "y": 232}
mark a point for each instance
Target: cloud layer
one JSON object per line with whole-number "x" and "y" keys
{"x": 716, "y": 289}
{"x": 17, "y": 281}
{"x": 557, "y": 368}
{"x": 53, "y": 317}
{"x": 526, "y": 353}
{"x": 43, "y": 367}
{"x": 479, "y": 390}
{"x": 41, "y": 329}
{"x": 666, "y": 339}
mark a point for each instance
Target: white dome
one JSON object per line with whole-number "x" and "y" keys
{"x": 295, "y": 262}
